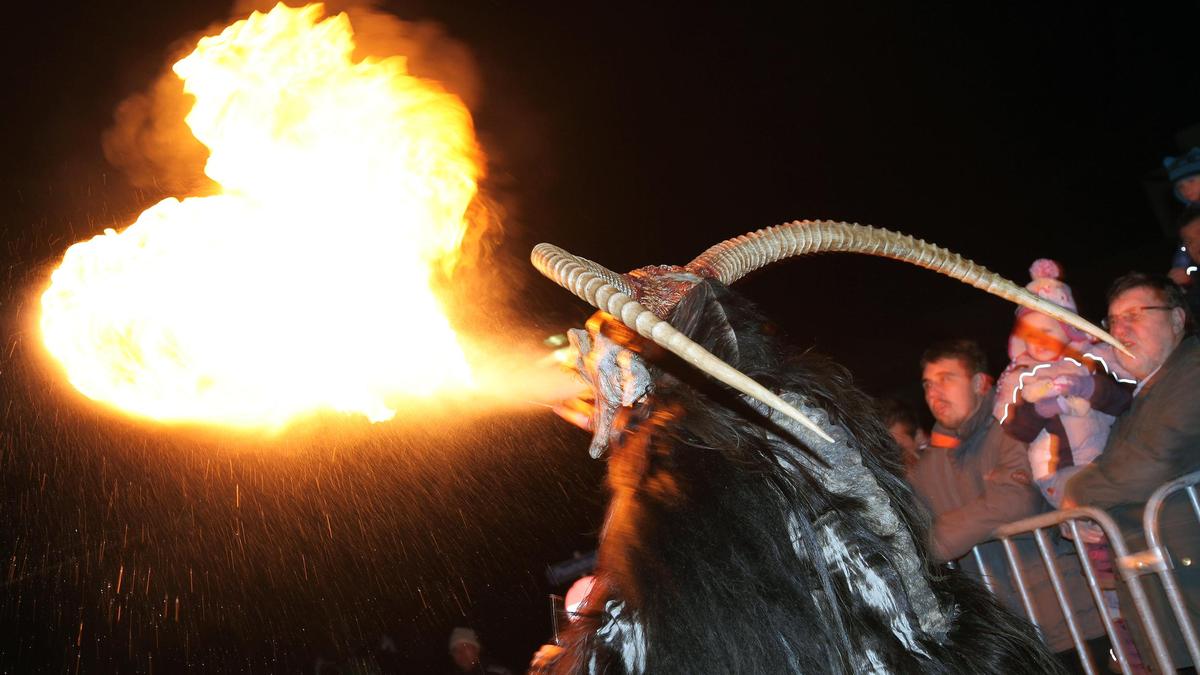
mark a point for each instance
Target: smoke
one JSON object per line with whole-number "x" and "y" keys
{"x": 150, "y": 141}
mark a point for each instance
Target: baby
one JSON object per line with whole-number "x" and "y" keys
{"x": 1059, "y": 395}
{"x": 1048, "y": 396}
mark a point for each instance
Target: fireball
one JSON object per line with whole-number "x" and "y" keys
{"x": 305, "y": 282}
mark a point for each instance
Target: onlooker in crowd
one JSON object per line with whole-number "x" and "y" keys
{"x": 1184, "y": 173}
{"x": 1064, "y": 427}
{"x": 1156, "y": 440}
{"x": 1048, "y": 397}
{"x": 466, "y": 651}
{"x": 902, "y": 422}
{"x": 1184, "y": 274}
{"x": 974, "y": 479}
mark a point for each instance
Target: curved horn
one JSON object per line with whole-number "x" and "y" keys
{"x": 617, "y": 281}
{"x": 590, "y": 282}
{"x": 734, "y": 258}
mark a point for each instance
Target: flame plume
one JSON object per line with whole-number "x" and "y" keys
{"x": 305, "y": 282}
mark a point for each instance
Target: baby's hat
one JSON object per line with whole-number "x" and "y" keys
{"x": 1047, "y": 283}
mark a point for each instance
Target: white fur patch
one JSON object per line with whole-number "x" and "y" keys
{"x": 870, "y": 586}
{"x": 624, "y": 633}
{"x": 875, "y": 664}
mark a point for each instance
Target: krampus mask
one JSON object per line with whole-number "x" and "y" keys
{"x": 770, "y": 532}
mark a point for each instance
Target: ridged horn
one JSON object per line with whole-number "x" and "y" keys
{"x": 592, "y": 283}
{"x": 734, "y": 258}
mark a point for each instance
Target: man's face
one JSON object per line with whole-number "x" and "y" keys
{"x": 1151, "y": 334}
{"x": 465, "y": 655}
{"x": 952, "y": 393}
{"x": 1190, "y": 236}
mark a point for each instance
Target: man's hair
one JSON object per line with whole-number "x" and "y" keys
{"x": 967, "y": 351}
{"x": 893, "y": 411}
{"x": 1171, "y": 294}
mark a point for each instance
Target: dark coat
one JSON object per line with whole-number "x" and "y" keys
{"x": 1156, "y": 440}
{"x": 980, "y": 485}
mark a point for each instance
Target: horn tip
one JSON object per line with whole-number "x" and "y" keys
{"x": 1124, "y": 350}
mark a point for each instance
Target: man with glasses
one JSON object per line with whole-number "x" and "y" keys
{"x": 1156, "y": 440}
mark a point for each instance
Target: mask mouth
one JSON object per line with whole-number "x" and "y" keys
{"x": 616, "y": 380}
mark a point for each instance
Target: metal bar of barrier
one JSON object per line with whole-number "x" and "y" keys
{"x": 1089, "y": 571}
{"x": 984, "y": 572}
{"x": 1085, "y": 656}
{"x": 1191, "y": 490}
{"x": 1166, "y": 575}
{"x": 1030, "y": 612}
{"x": 1131, "y": 568}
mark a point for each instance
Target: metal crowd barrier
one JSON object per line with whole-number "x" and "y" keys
{"x": 1038, "y": 525}
{"x": 1132, "y": 567}
{"x": 1160, "y": 559}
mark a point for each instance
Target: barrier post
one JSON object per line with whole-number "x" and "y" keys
{"x": 1158, "y": 559}
{"x": 1131, "y": 569}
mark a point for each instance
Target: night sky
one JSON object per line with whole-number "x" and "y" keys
{"x": 626, "y": 134}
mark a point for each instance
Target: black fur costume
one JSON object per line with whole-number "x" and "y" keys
{"x": 718, "y": 554}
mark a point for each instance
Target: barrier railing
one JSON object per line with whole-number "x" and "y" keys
{"x": 1159, "y": 559}
{"x": 1127, "y": 565}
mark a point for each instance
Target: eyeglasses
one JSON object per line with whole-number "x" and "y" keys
{"x": 1131, "y": 316}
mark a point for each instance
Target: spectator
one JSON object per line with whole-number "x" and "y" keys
{"x": 1064, "y": 428}
{"x": 1058, "y": 397}
{"x": 1189, "y": 239}
{"x": 902, "y": 423}
{"x": 1157, "y": 439}
{"x": 974, "y": 479}
{"x": 466, "y": 652}
{"x": 1184, "y": 173}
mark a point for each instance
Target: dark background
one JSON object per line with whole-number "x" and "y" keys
{"x": 627, "y": 134}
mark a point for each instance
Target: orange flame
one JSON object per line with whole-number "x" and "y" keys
{"x": 305, "y": 283}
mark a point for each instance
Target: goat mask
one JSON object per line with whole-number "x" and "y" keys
{"x": 642, "y": 300}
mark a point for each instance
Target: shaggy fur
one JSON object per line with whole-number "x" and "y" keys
{"x": 716, "y": 553}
